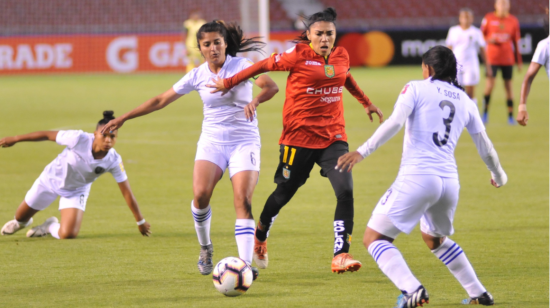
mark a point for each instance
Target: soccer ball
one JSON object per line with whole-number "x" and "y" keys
{"x": 232, "y": 276}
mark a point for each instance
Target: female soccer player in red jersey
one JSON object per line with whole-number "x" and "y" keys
{"x": 501, "y": 31}
{"x": 313, "y": 128}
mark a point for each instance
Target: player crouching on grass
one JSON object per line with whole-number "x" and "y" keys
{"x": 70, "y": 176}
{"x": 436, "y": 111}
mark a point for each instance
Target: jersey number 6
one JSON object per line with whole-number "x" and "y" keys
{"x": 447, "y": 123}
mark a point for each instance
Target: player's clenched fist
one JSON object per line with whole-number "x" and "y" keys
{"x": 7, "y": 142}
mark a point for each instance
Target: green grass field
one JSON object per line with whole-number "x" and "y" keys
{"x": 503, "y": 231}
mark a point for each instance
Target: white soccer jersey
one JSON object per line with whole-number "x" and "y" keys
{"x": 541, "y": 55}
{"x": 74, "y": 170}
{"x": 465, "y": 45}
{"x": 440, "y": 112}
{"x": 224, "y": 120}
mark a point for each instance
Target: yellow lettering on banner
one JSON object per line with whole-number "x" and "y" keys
{"x": 285, "y": 155}
{"x": 293, "y": 152}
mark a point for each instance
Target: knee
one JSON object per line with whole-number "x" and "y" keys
{"x": 202, "y": 197}
{"x": 283, "y": 194}
{"x": 67, "y": 234}
{"x": 432, "y": 242}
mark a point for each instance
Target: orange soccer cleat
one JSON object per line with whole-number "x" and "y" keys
{"x": 260, "y": 253}
{"x": 344, "y": 263}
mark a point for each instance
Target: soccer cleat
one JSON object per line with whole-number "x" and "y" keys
{"x": 486, "y": 299}
{"x": 13, "y": 226}
{"x": 205, "y": 264}
{"x": 511, "y": 121}
{"x": 344, "y": 263}
{"x": 260, "y": 253}
{"x": 485, "y": 118}
{"x": 255, "y": 273}
{"x": 43, "y": 229}
{"x": 414, "y": 299}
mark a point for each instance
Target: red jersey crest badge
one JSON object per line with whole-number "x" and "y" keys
{"x": 329, "y": 71}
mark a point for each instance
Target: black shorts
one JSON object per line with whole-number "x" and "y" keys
{"x": 506, "y": 71}
{"x": 295, "y": 163}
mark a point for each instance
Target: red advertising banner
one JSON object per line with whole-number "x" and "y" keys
{"x": 105, "y": 53}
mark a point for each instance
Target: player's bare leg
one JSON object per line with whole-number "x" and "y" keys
{"x": 509, "y": 101}
{"x": 206, "y": 175}
{"x": 489, "y": 85}
{"x": 244, "y": 183}
{"x": 22, "y": 219}
{"x": 470, "y": 91}
{"x": 458, "y": 264}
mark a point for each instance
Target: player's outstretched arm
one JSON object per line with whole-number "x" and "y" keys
{"x": 269, "y": 89}
{"x": 385, "y": 132}
{"x": 151, "y": 105}
{"x": 532, "y": 71}
{"x": 7, "y": 142}
{"x": 143, "y": 226}
{"x": 354, "y": 89}
{"x": 490, "y": 157}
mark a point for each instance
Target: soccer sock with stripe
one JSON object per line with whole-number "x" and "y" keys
{"x": 392, "y": 264}
{"x": 54, "y": 229}
{"x": 456, "y": 261}
{"x": 202, "y": 218}
{"x": 244, "y": 234}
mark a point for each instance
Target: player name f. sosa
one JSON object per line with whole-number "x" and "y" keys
{"x": 326, "y": 90}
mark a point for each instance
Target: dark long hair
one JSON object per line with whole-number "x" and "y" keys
{"x": 107, "y": 116}
{"x": 443, "y": 62}
{"x": 328, "y": 15}
{"x": 233, "y": 36}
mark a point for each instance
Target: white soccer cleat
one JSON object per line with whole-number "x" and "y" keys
{"x": 43, "y": 229}
{"x": 13, "y": 226}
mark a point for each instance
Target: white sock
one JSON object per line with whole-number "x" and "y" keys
{"x": 244, "y": 234}
{"x": 54, "y": 229}
{"x": 454, "y": 258}
{"x": 202, "y": 218}
{"x": 392, "y": 264}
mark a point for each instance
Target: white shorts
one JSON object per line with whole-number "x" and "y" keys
{"x": 468, "y": 75}
{"x": 430, "y": 199}
{"x": 236, "y": 158}
{"x": 39, "y": 197}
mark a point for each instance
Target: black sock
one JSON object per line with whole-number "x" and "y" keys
{"x": 276, "y": 201}
{"x": 510, "y": 104}
{"x": 343, "y": 225}
{"x": 486, "y": 100}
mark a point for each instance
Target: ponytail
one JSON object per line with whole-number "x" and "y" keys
{"x": 233, "y": 36}
{"x": 328, "y": 15}
{"x": 107, "y": 116}
{"x": 443, "y": 62}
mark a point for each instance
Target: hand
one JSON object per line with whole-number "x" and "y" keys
{"x": 250, "y": 109}
{"x": 373, "y": 109}
{"x": 522, "y": 118}
{"x": 217, "y": 86}
{"x": 494, "y": 183}
{"x": 347, "y": 161}
{"x": 145, "y": 229}
{"x": 113, "y": 125}
{"x": 7, "y": 142}
{"x": 520, "y": 67}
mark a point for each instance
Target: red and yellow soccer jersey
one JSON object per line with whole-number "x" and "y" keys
{"x": 313, "y": 113}
{"x": 500, "y": 34}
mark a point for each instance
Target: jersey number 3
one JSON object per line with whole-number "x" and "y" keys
{"x": 447, "y": 123}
